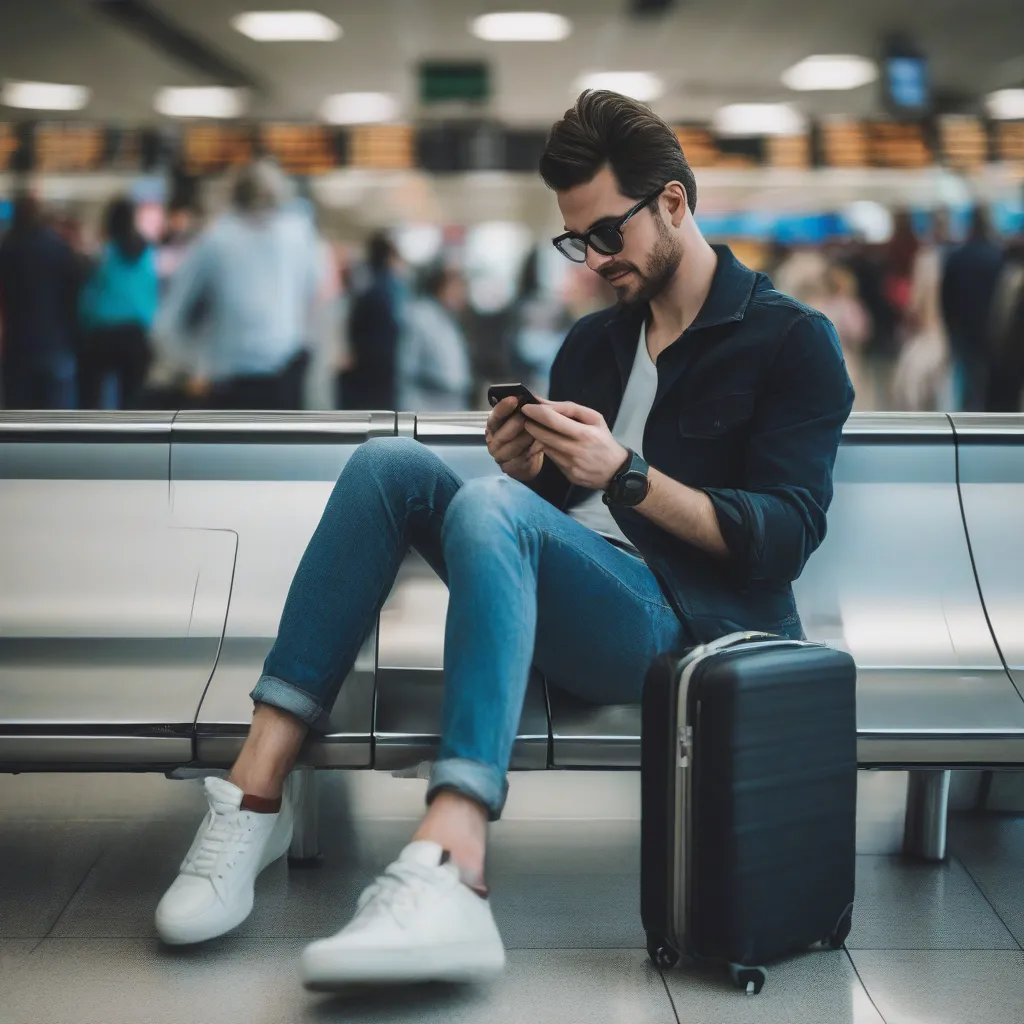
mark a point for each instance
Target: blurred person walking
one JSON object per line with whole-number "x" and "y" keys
{"x": 374, "y": 328}
{"x": 254, "y": 273}
{"x": 433, "y": 361}
{"x": 1005, "y": 386}
{"x": 968, "y": 287}
{"x": 540, "y": 322}
{"x": 116, "y": 308}
{"x": 38, "y": 284}
{"x": 842, "y": 305}
{"x": 921, "y": 377}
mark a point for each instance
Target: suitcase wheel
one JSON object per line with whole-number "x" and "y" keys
{"x": 660, "y": 952}
{"x": 750, "y": 979}
{"x": 842, "y": 930}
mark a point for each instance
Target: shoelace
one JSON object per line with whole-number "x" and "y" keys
{"x": 217, "y": 837}
{"x": 398, "y": 889}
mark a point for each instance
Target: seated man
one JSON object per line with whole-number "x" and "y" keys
{"x": 599, "y": 547}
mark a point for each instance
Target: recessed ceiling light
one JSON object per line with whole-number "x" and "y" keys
{"x": 43, "y": 95}
{"x": 830, "y": 71}
{"x": 640, "y": 85}
{"x": 758, "y": 119}
{"x": 521, "y": 26}
{"x": 287, "y": 26}
{"x": 202, "y": 101}
{"x": 1006, "y": 104}
{"x": 359, "y": 108}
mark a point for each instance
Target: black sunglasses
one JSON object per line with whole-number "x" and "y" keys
{"x": 605, "y": 239}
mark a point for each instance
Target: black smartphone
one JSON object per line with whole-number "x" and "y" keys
{"x": 497, "y": 392}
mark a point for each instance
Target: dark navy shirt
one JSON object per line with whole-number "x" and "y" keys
{"x": 750, "y": 408}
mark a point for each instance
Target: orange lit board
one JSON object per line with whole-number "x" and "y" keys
{"x": 300, "y": 149}
{"x": 207, "y": 149}
{"x": 69, "y": 148}
{"x": 382, "y": 147}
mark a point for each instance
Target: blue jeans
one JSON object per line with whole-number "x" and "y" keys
{"x": 527, "y": 584}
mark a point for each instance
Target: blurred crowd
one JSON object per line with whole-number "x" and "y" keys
{"x": 926, "y": 322}
{"x": 254, "y": 309}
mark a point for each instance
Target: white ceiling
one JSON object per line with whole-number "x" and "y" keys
{"x": 709, "y": 52}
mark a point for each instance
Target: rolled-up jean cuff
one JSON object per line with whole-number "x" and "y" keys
{"x": 480, "y": 782}
{"x": 288, "y": 697}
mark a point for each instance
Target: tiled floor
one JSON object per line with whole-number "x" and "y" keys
{"x": 83, "y": 861}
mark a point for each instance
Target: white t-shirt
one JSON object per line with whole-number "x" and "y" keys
{"x": 637, "y": 400}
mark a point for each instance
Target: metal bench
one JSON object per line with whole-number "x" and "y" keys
{"x": 146, "y": 557}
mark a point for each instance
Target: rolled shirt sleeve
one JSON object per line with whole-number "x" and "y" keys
{"x": 774, "y": 523}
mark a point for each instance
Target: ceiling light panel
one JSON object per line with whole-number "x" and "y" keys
{"x": 43, "y": 95}
{"x": 1006, "y": 104}
{"x": 830, "y": 71}
{"x": 747, "y": 119}
{"x": 203, "y": 101}
{"x": 359, "y": 108}
{"x": 287, "y": 26}
{"x": 521, "y": 26}
{"x": 639, "y": 85}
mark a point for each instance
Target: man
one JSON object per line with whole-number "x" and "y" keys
{"x": 735, "y": 394}
{"x": 374, "y": 328}
{"x": 39, "y": 285}
{"x": 243, "y": 298}
{"x": 968, "y": 287}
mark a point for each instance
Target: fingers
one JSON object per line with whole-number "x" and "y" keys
{"x": 501, "y": 412}
{"x": 515, "y": 449}
{"x": 552, "y": 440}
{"x": 548, "y": 417}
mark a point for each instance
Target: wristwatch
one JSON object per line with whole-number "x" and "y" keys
{"x": 630, "y": 484}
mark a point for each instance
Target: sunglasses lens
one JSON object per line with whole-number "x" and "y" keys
{"x": 573, "y": 248}
{"x": 606, "y": 240}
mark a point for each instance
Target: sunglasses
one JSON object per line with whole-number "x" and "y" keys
{"x": 605, "y": 239}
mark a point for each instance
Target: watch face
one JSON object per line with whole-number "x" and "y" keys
{"x": 634, "y": 487}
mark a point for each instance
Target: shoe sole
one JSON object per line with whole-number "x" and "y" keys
{"x": 324, "y": 971}
{"x": 184, "y": 936}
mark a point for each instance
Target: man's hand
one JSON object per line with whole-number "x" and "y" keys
{"x": 514, "y": 450}
{"x": 578, "y": 441}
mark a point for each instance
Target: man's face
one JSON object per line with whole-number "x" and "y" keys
{"x": 650, "y": 253}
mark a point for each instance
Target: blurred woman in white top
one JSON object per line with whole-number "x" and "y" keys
{"x": 255, "y": 272}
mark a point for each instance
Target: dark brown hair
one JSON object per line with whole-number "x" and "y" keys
{"x": 605, "y": 128}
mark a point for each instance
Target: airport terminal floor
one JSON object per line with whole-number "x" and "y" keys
{"x": 84, "y": 859}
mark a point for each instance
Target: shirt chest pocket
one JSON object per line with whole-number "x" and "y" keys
{"x": 713, "y": 439}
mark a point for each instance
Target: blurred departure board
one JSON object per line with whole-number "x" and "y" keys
{"x": 789, "y": 151}
{"x": 899, "y": 145}
{"x": 699, "y": 146}
{"x": 8, "y": 144}
{"x": 69, "y": 148}
{"x": 844, "y": 144}
{"x": 382, "y": 147}
{"x": 1010, "y": 141}
{"x": 964, "y": 141}
{"x": 299, "y": 148}
{"x": 208, "y": 149}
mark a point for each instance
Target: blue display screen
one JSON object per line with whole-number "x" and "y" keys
{"x": 907, "y": 80}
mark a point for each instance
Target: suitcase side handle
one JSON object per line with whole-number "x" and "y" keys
{"x": 732, "y": 639}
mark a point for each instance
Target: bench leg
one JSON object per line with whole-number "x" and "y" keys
{"x": 301, "y": 789}
{"x": 924, "y": 834}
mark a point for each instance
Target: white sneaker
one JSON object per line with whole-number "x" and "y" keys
{"x": 416, "y": 922}
{"x": 214, "y": 891}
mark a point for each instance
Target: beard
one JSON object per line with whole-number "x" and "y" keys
{"x": 644, "y": 285}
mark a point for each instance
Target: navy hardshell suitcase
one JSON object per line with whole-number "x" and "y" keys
{"x": 749, "y": 793}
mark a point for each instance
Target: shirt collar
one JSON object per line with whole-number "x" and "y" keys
{"x": 731, "y": 288}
